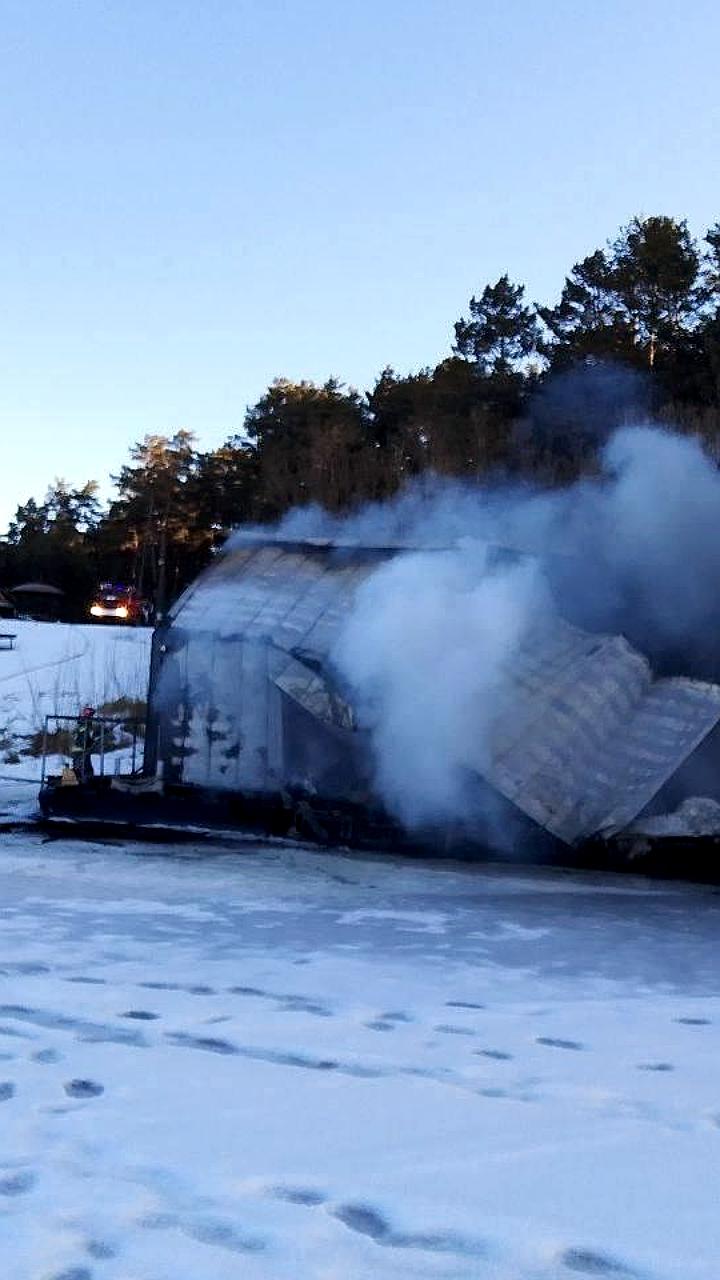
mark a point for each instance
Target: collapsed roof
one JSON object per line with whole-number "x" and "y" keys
{"x": 585, "y": 738}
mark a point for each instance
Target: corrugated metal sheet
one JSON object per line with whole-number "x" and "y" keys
{"x": 583, "y": 737}
{"x": 586, "y": 737}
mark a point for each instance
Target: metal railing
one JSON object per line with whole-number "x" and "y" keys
{"x": 106, "y": 727}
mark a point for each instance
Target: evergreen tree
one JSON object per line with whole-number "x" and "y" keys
{"x": 223, "y": 490}
{"x": 638, "y": 300}
{"x": 398, "y": 409}
{"x": 312, "y": 445}
{"x": 711, "y": 267}
{"x": 501, "y": 331}
{"x": 589, "y": 320}
{"x": 152, "y": 526}
{"x": 53, "y": 541}
{"x": 656, "y": 279}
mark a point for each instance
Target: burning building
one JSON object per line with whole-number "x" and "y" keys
{"x": 394, "y": 675}
{"x": 254, "y": 700}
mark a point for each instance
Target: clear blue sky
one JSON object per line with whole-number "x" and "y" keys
{"x": 200, "y": 195}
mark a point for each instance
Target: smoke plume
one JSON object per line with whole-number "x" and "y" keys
{"x": 425, "y": 651}
{"x": 431, "y": 638}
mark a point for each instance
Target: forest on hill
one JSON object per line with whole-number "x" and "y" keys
{"x": 526, "y": 392}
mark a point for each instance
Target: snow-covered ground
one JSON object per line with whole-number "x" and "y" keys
{"x": 278, "y": 1064}
{"x": 56, "y": 669}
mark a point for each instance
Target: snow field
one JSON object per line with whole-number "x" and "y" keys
{"x": 298, "y": 1065}
{"x": 57, "y": 669}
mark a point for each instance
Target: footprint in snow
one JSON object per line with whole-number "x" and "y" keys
{"x": 14, "y": 1033}
{"x": 72, "y": 1273}
{"x": 223, "y": 1235}
{"x": 17, "y": 1184}
{"x": 279, "y": 1058}
{"x": 553, "y": 1042}
{"x": 694, "y": 1022}
{"x": 47, "y": 1055}
{"x": 87, "y": 1031}
{"x": 655, "y": 1066}
{"x": 287, "y": 1002}
{"x": 140, "y": 1015}
{"x": 364, "y": 1220}
{"x": 7, "y": 1090}
{"x": 447, "y": 1029}
{"x": 367, "y": 1221}
{"x": 463, "y": 1004}
{"x": 28, "y": 968}
{"x": 498, "y": 1055}
{"x": 211, "y": 1044}
{"x": 301, "y": 1004}
{"x": 83, "y": 1089}
{"x": 100, "y": 1249}
{"x": 307, "y": 1196}
{"x": 591, "y": 1263}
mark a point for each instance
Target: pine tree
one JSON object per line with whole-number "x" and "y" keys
{"x": 501, "y": 331}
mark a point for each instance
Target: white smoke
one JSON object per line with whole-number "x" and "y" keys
{"x": 633, "y": 549}
{"x": 426, "y": 653}
{"x": 656, "y": 525}
{"x": 431, "y": 636}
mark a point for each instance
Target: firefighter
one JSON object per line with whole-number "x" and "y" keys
{"x": 85, "y": 741}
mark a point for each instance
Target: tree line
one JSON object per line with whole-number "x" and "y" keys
{"x": 526, "y": 391}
